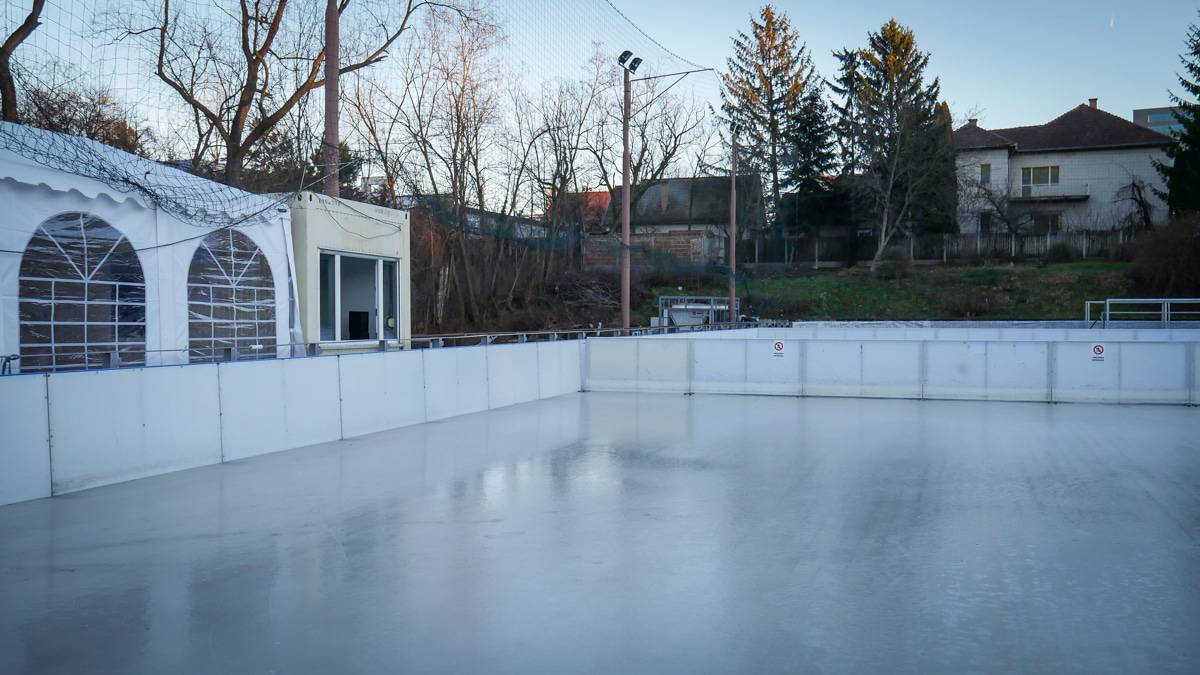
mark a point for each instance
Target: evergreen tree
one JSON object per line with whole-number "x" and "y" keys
{"x": 904, "y": 133}
{"x": 809, "y": 159}
{"x": 848, "y": 117}
{"x": 936, "y": 211}
{"x": 771, "y": 95}
{"x": 1182, "y": 174}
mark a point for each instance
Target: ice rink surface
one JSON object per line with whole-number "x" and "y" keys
{"x": 616, "y": 533}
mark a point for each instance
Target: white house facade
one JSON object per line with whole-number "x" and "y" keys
{"x": 1084, "y": 170}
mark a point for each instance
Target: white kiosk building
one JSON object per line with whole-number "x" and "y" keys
{"x": 352, "y": 269}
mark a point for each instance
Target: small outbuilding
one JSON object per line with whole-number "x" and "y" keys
{"x": 352, "y": 269}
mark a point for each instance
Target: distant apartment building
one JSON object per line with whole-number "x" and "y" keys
{"x": 1161, "y": 120}
{"x": 1086, "y": 169}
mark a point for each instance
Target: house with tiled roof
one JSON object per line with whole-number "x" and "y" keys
{"x": 1085, "y": 169}
{"x": 684, "y": 219}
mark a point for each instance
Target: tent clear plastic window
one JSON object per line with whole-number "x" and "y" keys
{"x": 231, "y": 300}
{"x": 82, "y": 297}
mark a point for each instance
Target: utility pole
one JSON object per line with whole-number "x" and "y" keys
{"x": 733, "y": 317}
{"x": 331, "y": 156}
{"x": 629, "y": 64}
{"x": 626, "y": 189}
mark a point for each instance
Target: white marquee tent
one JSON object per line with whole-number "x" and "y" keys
{"x": 88, "y": 270}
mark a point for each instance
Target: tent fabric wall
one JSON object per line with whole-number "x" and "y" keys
{"x": 164, "y": 243}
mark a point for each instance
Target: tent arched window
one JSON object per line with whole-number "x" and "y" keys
{"x": 82, "y": 297}
{"x": 231, "y": 299}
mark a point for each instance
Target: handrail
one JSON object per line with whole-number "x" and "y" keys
{"x": 1165, "y": 312}
{"x": 113, "y": 359}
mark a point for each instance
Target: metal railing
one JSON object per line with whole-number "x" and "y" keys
{"x": 1163, "y": 311}
{"x": 109, "y": 360}
{"x": 1066, "y": 190}
{"x": 712, "y": 306}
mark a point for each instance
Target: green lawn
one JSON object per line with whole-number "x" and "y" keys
{"x": 1021, "y": 292}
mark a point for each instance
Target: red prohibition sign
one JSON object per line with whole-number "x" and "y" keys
{"x": 778, "y": 345}
{"x": 1098, "y": 350}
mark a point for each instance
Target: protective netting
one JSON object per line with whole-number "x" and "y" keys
{"x": 101, "y": 70}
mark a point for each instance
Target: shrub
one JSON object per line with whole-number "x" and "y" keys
{"x": 1120, "y": 253}
{"x": 973, "y": 259}
{"x": 893, "y": 264}
{"x": 970, "y": 306}
{"x": 1060, "y": 253}
{"x": 1166, "y": 262}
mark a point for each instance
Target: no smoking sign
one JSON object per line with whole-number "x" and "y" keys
{"x": 1098, "y": 352}
{"x": 777, "y": 348}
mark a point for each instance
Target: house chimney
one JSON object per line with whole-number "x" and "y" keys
{"x": 1093, "y": 102}
{"x": 973, "y": 121}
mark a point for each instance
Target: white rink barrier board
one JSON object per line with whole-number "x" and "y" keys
{"x": 106, "y": 426}
{"x": 1071, "y": 371}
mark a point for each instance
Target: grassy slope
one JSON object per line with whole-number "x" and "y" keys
{"x": 999, "y": 292}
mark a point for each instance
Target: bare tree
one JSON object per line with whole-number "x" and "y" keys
{"x": 1141, "y": 210}
{"x": 8, "y": 89}
{"x": 89, "y": 113}
{"x": 996, "y": 200}
{"x": 661, "y": 128}
{"x": 241, "y": 70}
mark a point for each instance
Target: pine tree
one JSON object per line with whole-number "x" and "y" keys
{"x": 771, "y": 95}
{"x": 904, "y": 132}
{"x": 809, "y": 159}
{"x": 848, "y": 117}
{"x": 1182, "y": 174}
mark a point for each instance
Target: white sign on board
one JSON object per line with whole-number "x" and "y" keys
{"x": 1098, "y": 352}
{"x": 777, "y": 348}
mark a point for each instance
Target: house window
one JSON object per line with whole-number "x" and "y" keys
{"x": 82, "y": 296}
{"x": 1039, "y": 175}
{"x": 985, "y": 223}
{"x": 231, "y": 299}
{"x": 985, "y": 174}
{"x": 1046, "y": 222}
{"x": 359, "y": 298}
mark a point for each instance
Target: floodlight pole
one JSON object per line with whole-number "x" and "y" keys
{"x": 626, "y": 189}
{"x": 331, "y": 156}
{"x": 628, "y": 67}
{"x": 733, "y": 317}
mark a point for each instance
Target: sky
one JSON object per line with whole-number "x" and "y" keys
{"x": 1009, "y": 64}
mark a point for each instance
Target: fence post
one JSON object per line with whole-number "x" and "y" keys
{"x": 817, "y": 251}
{"x": 945, "y": 245}
{"x": 912, "y": 247}
{"x": 1012, "y": 245}
{"x": 1085, "y": 243}
{"x": 978, "y": 243}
